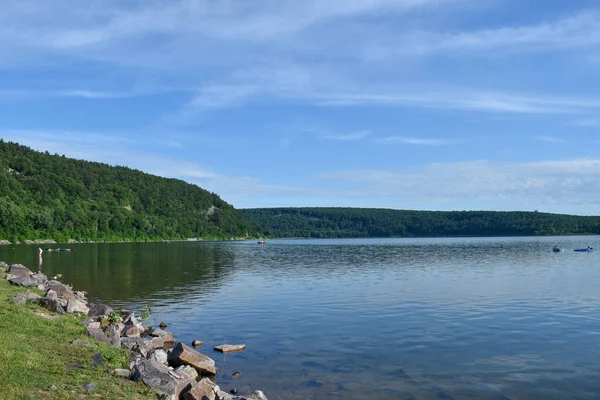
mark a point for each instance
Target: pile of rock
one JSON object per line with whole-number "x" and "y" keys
{"x": 171, "y": 369}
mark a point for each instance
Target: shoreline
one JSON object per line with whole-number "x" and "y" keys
{"x": 168, "y": 368}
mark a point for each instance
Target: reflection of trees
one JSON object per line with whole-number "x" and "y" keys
{"x": 125, "y": 272}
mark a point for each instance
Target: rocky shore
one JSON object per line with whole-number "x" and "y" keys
{"x": 171, "y": 369}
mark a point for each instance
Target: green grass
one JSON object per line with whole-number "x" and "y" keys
{"x": 35, "y": 354}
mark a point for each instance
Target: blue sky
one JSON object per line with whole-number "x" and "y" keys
{"x": 407, "y": 104}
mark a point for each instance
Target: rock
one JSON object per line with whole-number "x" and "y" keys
{"x": 89, "y": 387}
{"x": 18, "y": 270}
{"x": 53, "y": 388}
{"x": 75, "y": 306}
{"x": 157, "y": 332}
{"x": 52, "y": 304}
{"x": 203, "y": 390}
{"x": 61, "y": 289}
{"x": 32, "y": 280}
{"x": 228, "y": 348}
{"x": 94, "y": 325}
{"x": 29, "y": 295}
{"x": 132, "y": 332}
{"x": 124, "y": 373}
{"x": 99, "y": 310}
{"x": 158, "y": 355}
{"x": 79, "y": 342}
{"x": 187, "y": 372}
{"x": 168, "y": 338}
{"x": 51, "y": 294}
{"x": 197, "y": 343}
{"x": 18, "y": 298}
{"x": 115, "y": 329}
{"x": 233, "y": 391}
{"x": 257, "y": 395}
{"x": 236, "y": 373}
{"x": 97, "y": 334}
{"x": 166, "y": 384}
{"x": 41, "y": 287}
{"x": 163, "y": 325}
{"x": 131, "y": 343}
{"x": 185, "y": 355}
{"x": 2, "y": 263}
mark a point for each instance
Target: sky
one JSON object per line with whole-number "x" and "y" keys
{"x": 404, "y": 104}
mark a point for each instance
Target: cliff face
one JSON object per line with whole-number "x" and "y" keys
{"x": 44, "y": 196}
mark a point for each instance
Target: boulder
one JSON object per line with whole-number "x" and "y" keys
{"x": 203, "y": 390}
{"x": 185, "y": 355}
{"x": 115, "y": 329}
{"x": 32, "y": 280}
{"x": 98, "y": 310}
{"x": 94, "y": 325}
{"x": 18, "y": 298}
{"x": 61, "y": 289}
{"x": 97, "y": 334}
{"x": 158, "y": 355}
{"x": 52, "y": 304}
{"x": 32, "y": 297}
{"x": 75, "y": 306}
{"x": 132, "y": 332}
{"x": 257, "y": 395}
{"x": 187, "y": 372}
{"x": 157, "y": 332}
{"x": 166, "y": 384}
{"x": 18, "y": 270}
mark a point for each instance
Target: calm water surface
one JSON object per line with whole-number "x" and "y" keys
{"x": 491, "y": 318}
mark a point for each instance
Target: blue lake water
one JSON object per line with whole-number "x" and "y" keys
{"x": 448, "y": 318}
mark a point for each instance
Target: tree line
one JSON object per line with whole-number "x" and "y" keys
{"x": 44, "y": 196}
{"x": 371, "y": 222}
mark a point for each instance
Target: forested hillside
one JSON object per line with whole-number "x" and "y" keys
{"x": 45, "y": 196}
{"x": 369, "y": 222}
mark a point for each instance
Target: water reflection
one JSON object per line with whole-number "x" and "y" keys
{"x": 495, "y": 318}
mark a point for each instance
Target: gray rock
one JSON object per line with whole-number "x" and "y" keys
{"x": 124, "y": 373}
{"x": 166, "y": 384}
{"x": 99, "y": 310}
{"x": 132, "y": 332}
{"x": 97, "y": 334}
{"x": 18, "y": 270}
{"x": 131, "y": 343}
{"x": 75, "y": 306}
{"x": 52, "y": 304}
{"x": 257, "y": 395}
{"x": 18, "y": 298}
{"x": 61, "y": 289}
{"x": 158, "y": 355}
{"x": 157, "y": 332}
{"x": 32, "y": 280}
{"x": 187, "y": 372}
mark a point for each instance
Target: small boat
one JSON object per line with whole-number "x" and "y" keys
{"x": 588, "y": 250}
{"x": 556, "y": 249}
{"x": 262, "y": 242}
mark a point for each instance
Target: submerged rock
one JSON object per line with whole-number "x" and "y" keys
{"x": 229, "y": 348}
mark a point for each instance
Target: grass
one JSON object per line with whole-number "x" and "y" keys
{"x": 36, "y": 354}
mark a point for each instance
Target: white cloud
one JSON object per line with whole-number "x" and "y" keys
{"x": 556, "y": 186}
{"x": 346, "y": 136}
{"x": 413, "y": 140}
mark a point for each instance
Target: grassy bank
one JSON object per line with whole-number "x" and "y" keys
{"x": 37, "y": 360}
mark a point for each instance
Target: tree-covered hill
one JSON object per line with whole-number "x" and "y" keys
{"x": 45, "y": 196}
{"x": 370, "y": 222}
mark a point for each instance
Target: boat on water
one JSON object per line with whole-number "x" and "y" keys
{"x": 588, "y": 250}
{"x": 262, "y": 242}
{"x": 556, "y": 249}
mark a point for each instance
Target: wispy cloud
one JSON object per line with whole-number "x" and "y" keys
{"x": 347, "y": 136}
{"x": 550, "y": 139}
{"x": 413, "y": 140}
{"x": 552, "y": 185}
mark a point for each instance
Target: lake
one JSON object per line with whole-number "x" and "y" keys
{"x": 356, "y": 319}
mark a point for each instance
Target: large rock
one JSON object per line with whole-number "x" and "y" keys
{"x": 168, "y": 385}
{"x": 32, "y": 280}
{"x": 185, "y": 355}
{"x": 61, "y": 289}
{"x": 98, "y": 310}
{"x": 52, "y": 304}
{"x": 75, "y": 306}
{"x": 18, "y": 298}
{"x": 203, "y": 390}
{"x": 229, "y": 348}
{"x": 97, "y": 334}
{"x": 159, "y": 355}
{"x": 18, "y": 270}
